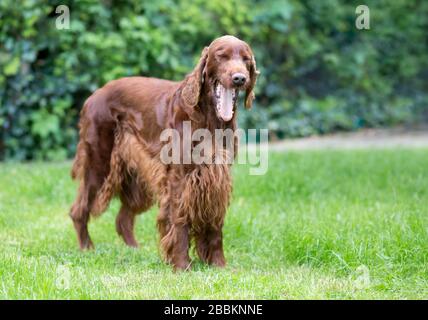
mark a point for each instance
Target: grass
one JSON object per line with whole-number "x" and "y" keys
{"x": 319, "y": 224}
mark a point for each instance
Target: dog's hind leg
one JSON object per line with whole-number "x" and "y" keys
{"x": 92, "y": 174}
{"x": 80, "y": 211}
{"x": 125, "y": 225}
{"x": 92, "y": 165}
{"x": 136, "y": 198}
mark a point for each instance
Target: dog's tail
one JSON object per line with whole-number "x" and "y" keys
{"x": 80, "y": 159}
{"x": 113, "y": 181}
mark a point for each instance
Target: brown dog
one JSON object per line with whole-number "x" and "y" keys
{"x": 119, "y": 152}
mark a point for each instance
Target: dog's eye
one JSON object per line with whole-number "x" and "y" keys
{"x": 246, "y": 59}
{"x": 221, "y": 55}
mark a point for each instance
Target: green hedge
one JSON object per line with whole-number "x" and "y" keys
{"x": 318, "y": 72}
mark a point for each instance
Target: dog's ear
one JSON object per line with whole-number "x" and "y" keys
{"x": 193, "y": 82}
{"x": 249, "y": 93}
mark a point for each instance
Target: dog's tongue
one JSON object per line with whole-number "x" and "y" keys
{"x": 226, "y": 104}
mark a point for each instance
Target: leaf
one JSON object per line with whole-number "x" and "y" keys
{"x": 12, "y": 67}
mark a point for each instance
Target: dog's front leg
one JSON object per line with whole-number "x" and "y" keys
{"x": 209, "y": 246}
{"x": 175, "y": 240}
{"x": 179, "y": 256}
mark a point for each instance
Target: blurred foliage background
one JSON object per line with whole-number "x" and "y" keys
{"x": 319, "y": 73}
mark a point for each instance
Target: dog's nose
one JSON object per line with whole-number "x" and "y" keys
{"x": 238, "y": 79}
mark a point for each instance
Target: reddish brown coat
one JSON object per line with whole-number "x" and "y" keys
{"x": 119, "y": 147}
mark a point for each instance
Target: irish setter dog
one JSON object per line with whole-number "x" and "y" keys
{"x": 118, "y": 153}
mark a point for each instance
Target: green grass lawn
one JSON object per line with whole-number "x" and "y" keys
{"x": 320, "y": 224}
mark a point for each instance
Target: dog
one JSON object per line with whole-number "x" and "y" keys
{"x": 118, "y": 153}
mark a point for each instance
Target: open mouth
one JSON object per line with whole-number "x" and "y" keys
{"x": 225, "y": 101}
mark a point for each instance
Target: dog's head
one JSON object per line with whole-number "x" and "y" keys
{"x": 226, "y": 67}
